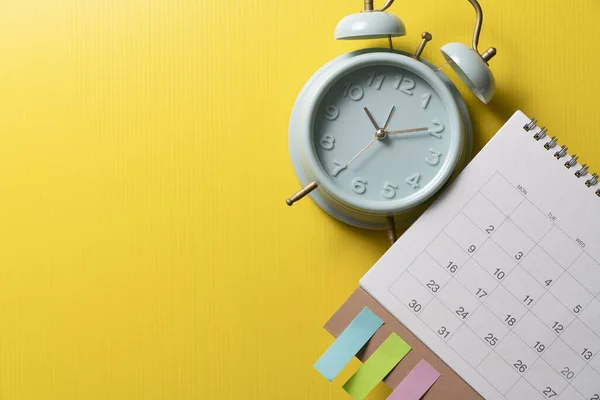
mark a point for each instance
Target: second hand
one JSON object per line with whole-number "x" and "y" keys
{"x": 362, "y": 151}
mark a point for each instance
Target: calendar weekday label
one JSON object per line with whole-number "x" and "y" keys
{"x": 501, "y": 276}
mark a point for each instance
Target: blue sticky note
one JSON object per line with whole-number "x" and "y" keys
{"x": 354, "y": 337}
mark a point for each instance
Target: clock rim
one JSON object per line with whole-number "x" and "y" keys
{"x": 454, "y": 116}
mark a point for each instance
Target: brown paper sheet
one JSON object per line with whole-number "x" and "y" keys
{"x": 449, "y": 386}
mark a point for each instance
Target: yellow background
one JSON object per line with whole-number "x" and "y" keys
{"x": 146, "y": 251}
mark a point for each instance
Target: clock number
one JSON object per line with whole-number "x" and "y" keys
{"x": 413, "y": 180}
{"x": 338, "y": 168}
{"x": 389, "y": 190}
{"x": 331, "y": 113}
{"x": 426, "y": 98}
{"x": 355, "y": 92}
{"x": 434, "y": 159}
{"x": 377, "y": 78}
{"x": 405, "y": 85}
{"x": 437, "y": 130}
{"x": 327, "y": 142}
{"x": 359, "y": 185}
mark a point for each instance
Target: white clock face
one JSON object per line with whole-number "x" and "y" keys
{"x": 382, "y": 166}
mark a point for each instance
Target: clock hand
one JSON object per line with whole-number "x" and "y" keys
{"x": 408, "y": 131}
{"x": 387, "y": 121}
{"x": 371, "y": 118}
{"x": 362, "y": 151}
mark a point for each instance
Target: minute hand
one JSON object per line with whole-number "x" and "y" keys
{"x": 408, "y": 131}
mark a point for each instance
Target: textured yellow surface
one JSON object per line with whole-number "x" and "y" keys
{"x": 146, "y": 251}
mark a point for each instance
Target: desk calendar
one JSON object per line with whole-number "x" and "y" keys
{"x": 501, "y": 276}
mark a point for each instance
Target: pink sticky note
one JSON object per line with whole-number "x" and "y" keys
{"x": 416, "y": 383}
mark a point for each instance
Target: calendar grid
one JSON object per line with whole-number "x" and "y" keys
{"x": 547, "y": 292}
{"x": 565, "y": 271}
{"x": 557, "y": 227}
{"x": 482, "y": 304}
{"x": 494, "y": 339}
{"x": 528, "y": 312}
{"x": 553, "y": 224}
{"x": 539, "y": 356}
{"x": 491, "y": 348}
{"x": 567, "y": 344}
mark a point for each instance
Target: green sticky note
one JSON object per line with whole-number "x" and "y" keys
{"x": 381, "y": 362}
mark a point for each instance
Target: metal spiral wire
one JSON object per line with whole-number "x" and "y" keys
{"x": 562, "y": 152}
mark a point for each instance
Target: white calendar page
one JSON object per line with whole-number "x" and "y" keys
{"x": 500, "y": 277}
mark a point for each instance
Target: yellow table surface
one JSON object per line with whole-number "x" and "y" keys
{"x": 146, "y": 251}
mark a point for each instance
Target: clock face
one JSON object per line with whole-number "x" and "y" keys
{"x": 371, "y": 165}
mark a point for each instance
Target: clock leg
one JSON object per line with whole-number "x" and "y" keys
{"x": 302, "y": 193}
{"x": 391, "y": 229}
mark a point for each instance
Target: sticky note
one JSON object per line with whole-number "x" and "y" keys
{"x": 381, "y": 362}
{"x": 354, "y": 337}
{"x": 416, "y": 383}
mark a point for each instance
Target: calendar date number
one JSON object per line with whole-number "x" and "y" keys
{"x": 434, "y": 287}
{"x": 461, "y": 312}
{"x": 443, "y": 332}
{"x": 549, "y": 392}
{"x": 452, "y": 267}
{"x": 587, "y": 354}
{"x": 539, "y": 347}
{"x": 520, "y": 366}
{"x": 510, "y": 320}
{"x": 491, "y": 339}
{"x": 414, "y": 304}
{"x": 567, "y": 373}
{"x": 557, "y": 327}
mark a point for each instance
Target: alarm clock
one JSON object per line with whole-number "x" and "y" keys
{"x": 376, "y": 134}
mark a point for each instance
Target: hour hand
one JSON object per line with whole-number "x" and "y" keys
{"x": 371, "y": 118}
{"x": 408, "y": 131}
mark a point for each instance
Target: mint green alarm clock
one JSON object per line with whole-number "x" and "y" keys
{"x": 375, "y": 134}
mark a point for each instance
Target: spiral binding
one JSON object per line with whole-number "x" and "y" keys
{"x": 562, "y": 152}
